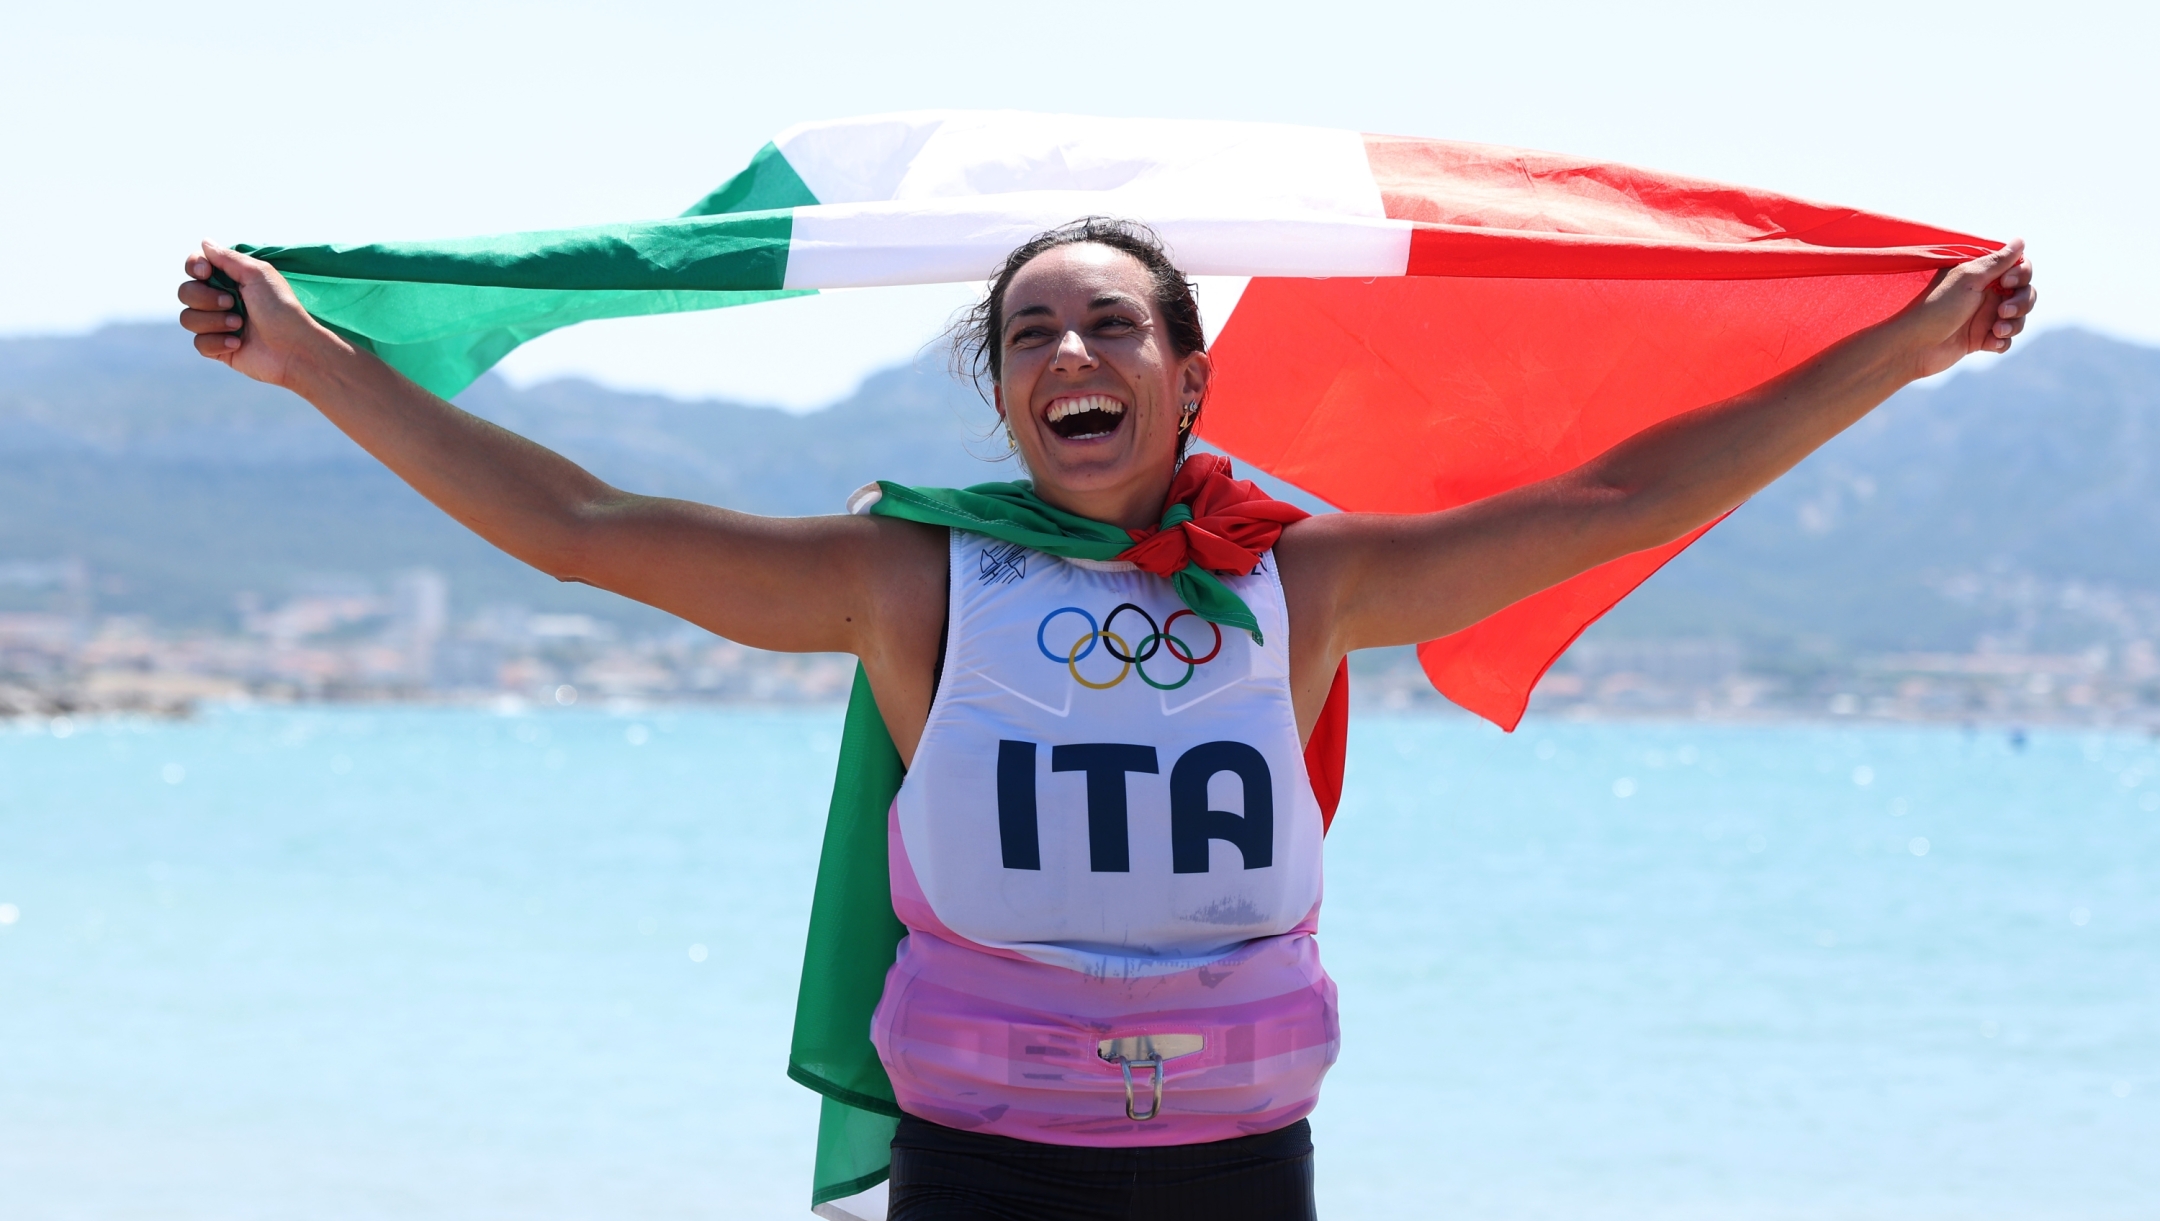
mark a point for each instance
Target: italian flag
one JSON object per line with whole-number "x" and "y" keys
{"x": 1416, "y": 323}
{"x": 1404, "y": 325}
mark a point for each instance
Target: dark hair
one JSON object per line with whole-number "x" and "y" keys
{"x": 979, "y": 356}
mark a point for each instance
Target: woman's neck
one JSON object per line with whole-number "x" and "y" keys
{"x": 1132, "y": 505}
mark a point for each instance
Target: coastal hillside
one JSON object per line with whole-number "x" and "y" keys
{"x": 2014, "y": 505}
{"x": 181, "y": 486}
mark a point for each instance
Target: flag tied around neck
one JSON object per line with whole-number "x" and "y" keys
{"x": 1401, "y": 324}
{"x": 1212, "y": 523}
{"x": 1215, "y": 523}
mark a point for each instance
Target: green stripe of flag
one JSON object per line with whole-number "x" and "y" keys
{"x": 444, "y": 336}
{"x": 737, "y": 252}
{"x": 443, "y": 313}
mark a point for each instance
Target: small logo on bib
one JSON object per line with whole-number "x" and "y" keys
{"x": 1002, "y": 563}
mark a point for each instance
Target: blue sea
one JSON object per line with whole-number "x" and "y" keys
{"x": 377, "y": 963}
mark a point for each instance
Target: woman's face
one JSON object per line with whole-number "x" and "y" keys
{"x": 1091, "y": 388}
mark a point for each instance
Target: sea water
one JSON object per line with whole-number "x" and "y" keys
{"x": 427, "y": 964}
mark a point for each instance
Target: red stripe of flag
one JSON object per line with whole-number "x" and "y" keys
{"x": 1617, "y": 298}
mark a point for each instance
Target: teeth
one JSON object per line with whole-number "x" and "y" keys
{"x": 1087, "y": 402}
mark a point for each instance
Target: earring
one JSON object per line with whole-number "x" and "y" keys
{"x": 1185, "y": 420}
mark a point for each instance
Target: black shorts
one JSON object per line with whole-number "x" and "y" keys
{"x": 944, "y": 1174}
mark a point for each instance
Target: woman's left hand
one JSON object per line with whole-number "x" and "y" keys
{"x": 1978, "y": 306}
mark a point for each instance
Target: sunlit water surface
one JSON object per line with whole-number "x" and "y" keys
{"x": 435, "y": 964}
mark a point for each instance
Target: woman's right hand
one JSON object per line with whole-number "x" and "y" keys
{"x": 275, "y": 341}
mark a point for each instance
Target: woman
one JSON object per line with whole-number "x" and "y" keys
{"x": 1109, "y": 1003}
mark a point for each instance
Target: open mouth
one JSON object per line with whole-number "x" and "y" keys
{"x": 1084, "y": 416}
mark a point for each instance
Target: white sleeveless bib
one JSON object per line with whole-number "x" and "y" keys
{"x": 1107, "y": 831}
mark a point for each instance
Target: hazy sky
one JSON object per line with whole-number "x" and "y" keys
{"x": 135, "y": 128}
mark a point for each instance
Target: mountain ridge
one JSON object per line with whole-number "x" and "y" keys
{"x": 1929, "y": 525}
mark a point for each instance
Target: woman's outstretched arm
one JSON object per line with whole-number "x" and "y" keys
{"x": 874, "y": 587}
{"x": 1365, "y": 580}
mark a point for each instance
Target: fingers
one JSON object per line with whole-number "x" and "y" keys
{"x": 2016, "y": 305}
{"x": 215, "y": 308}
{"x": 217, "y": 346}
{"x": 209, "y": 313}
{"x": 2001, "y": 331}
{"x": 197, "y": 295}
{"x": 2019, "y": 303}
{"x": 210, "y": 322}
{"x": 2003, "y": 281}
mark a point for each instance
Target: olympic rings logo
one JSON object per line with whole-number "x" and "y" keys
{"x": 1131, "y": 659}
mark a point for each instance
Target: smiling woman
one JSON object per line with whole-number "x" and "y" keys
{"x": 1103, "y": 997}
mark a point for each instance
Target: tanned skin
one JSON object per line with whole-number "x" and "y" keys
{"x": 1081, "y": 325}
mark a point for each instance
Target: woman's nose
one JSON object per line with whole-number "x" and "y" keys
{"x": 1072, "y": 354}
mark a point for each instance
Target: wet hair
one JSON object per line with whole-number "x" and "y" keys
{"x": 978, "y": 354}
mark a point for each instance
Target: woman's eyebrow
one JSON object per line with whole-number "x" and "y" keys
{"x": 1044, "y": 311}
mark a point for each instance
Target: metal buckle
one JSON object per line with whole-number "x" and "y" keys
{"x": 1151, "y": 1050}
